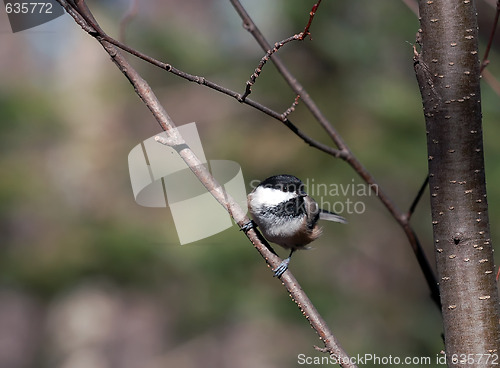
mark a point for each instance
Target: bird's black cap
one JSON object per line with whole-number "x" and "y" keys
{"x": 284, "y": 182}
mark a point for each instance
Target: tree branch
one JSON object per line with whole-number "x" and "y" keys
{"x": 175, "y": 140}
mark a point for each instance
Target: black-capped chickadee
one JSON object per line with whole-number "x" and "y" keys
{"x": 286, "y": 215}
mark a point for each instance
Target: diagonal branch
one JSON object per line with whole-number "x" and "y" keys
{"x": 175, "y": 140}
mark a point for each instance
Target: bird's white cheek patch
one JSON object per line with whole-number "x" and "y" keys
{"x": 270, "y": 197}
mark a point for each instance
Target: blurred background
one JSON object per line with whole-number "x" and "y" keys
{"x": 88, "y": 278}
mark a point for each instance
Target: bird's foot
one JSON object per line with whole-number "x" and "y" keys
{"x": 283, "y": 266}
{"x": 247, "y": 226}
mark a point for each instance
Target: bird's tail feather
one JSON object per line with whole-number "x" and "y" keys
{"x": 330, "y": 216}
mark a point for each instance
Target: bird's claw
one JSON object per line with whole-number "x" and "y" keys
{"x": 283, "y": 266}
{"x": 247, "y": 226}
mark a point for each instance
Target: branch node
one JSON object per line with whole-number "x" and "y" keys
{"x": 174, "y": 141}
{"x": 291, "y": 109}
{"x": 249, "y": 26}
{"x": 321, "y": 350}
{"x": 200, "y": 80}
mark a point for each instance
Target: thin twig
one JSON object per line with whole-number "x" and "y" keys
{"x": 250, "y": 26}
{"x": 263, "y": 61}
{"x": 485, "y": 61}
{"x": 297, "y": 37}
{"x": 291, "y": 108}
{"x": 418, "y": 197}
{"x": 176, "y": 141}
{"x": 312, "y": 13}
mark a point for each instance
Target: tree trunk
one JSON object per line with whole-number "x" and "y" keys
{"x": 448, "y": 74}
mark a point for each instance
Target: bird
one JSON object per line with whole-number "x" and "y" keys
{"x": 287, "y": 215}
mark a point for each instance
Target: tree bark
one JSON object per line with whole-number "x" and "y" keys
{"x": 448, "y": 74}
